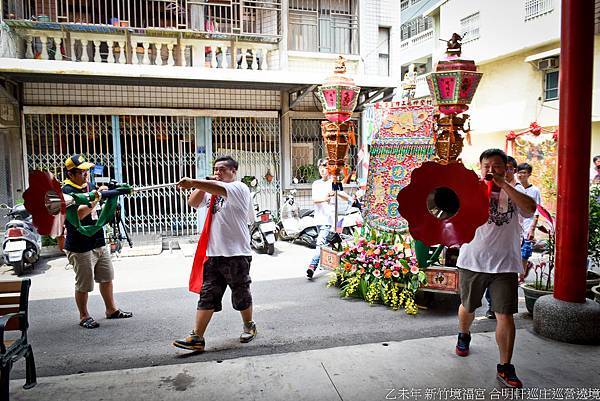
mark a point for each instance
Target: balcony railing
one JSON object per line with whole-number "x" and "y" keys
{"x": 416, "y": 40}
{"x": 146, "y": 50}
{"x": 233, "y": 17}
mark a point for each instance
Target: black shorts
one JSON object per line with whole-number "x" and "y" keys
{"x": 220, "y": 272}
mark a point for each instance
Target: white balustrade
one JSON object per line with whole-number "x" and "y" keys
{"x": 107, "y": 48}
{"x": 418, "y": 39}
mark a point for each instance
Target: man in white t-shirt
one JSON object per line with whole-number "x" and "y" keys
{"x": 492, "y": 260}
{"x": 228, "y": 250}
{"x": 511, "y": 169}
{"x": 524, "y": 171}
{"x": 595, "y": 170}
{"x": 323, "y": 198}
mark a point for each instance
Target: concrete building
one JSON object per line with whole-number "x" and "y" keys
{"x": 155, "y": 90}
{"x": 515, "y": 43}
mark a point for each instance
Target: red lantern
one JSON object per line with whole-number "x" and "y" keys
{"x": 338, "y": 94}
{"x": 453, "y": 85}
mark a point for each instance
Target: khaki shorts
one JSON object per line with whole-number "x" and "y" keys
{"x": 89, "y": 266}
{"x": 503, "y": 290}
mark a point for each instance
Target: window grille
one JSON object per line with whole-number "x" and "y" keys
{"x": 469, "y": 27}
{"x": 308, "y": 147}
{"x": 536, "y": 8}
{"x": 551, "y": 85}
{"x": 326, "y": 26}
{"x": 404, "y": 4}
{"x": 415, "y": 26}
{"x": 5, "y": 184}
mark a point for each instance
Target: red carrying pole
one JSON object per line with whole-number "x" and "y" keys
{"x": 574, "y": 149}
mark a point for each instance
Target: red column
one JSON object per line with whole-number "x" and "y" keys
{"x": 574, "y": 148}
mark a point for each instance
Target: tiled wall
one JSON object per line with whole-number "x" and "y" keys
{"x": 373, "y": 14}
{"x": 42, "y": 94}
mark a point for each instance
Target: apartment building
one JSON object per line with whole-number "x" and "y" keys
{"x": 153, "y": 90}
{"x": 515, "y": 43}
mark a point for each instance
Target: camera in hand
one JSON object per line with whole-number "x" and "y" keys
{"x": 489, "y": 177}
{"x": 115, "y": 189}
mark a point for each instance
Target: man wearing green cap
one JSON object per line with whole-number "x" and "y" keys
{"x": 88, "y": 255}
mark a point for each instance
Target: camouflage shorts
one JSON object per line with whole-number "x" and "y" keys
{"x": 220, "y": 272}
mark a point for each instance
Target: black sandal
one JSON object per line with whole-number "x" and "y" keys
{"x": 89, "y": 323}
{"x": 119, "y": 314}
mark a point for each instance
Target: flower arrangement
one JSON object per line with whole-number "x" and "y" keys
{"x": 379, "y": 267}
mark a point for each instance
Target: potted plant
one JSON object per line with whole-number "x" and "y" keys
{"x": 543, "y": 284}
{"x": 593, "y": 278}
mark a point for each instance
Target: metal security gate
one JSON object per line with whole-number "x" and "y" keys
{"x": 144, "y": 150}
{"x": 158, "y": 150}
{"x": 138, "y": 150}
{"x": 255, "y": 143}
{"x": 51, "y": 138}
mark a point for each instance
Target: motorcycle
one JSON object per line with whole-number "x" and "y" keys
{"x": 350, "y": 217}
{"x": 262, "y": 231}
{"x": 295, "y": 224}
{"x": 22, "y": 243}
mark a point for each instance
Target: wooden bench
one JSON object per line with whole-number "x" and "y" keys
{"x": 14, "y": 302}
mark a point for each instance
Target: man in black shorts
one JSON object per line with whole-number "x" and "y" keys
{"x": 228, "y": 250}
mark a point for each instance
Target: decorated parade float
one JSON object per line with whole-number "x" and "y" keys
{"x": 421, "y": 203}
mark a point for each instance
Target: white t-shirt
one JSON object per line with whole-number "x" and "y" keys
{"x": 496, "y": 247}
{"x": 229, "y": 232}
{"x": 324, "y": 211}
{"x": 535, "y": 194}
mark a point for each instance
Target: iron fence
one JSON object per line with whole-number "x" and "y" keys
{"x": 236, "y": 17}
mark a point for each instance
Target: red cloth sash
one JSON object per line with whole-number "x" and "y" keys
{"x": 197, "y": 273}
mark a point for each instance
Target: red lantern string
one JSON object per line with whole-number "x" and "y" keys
{"x": 534, "y": 129}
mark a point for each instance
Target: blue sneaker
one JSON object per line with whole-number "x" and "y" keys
{"x": 462, "y": 345}
{"x": 508, "y": 376}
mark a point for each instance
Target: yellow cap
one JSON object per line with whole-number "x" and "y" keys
{"x": 78, "y": 161}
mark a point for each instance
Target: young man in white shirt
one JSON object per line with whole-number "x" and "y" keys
{"x": 492, "y": 260}
{"x": 323, "y": 198}
{"x": 524, "y": 171}
{"x": 229, "y": 254}
{"x": 595, "y": 171}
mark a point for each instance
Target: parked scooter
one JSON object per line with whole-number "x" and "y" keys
{"x": 295, "y": 224}
{"x": 262, "y": 231}
{"x": 350, "y": 216}
{"x": 22, "y": 244}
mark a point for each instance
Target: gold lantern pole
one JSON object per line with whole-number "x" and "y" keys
{"x": 338, "y": 96}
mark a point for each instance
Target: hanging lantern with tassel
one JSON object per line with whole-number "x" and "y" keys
{"x": 338, "y": 96}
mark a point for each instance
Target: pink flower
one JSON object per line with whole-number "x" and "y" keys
{"x": 377, "y": 251}
{"x": 376, "y": 273}
{"x": 414, "y": 269}
{"x": 395, "y": 274}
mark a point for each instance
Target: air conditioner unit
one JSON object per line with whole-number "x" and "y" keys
{"x": 548, "y": 63}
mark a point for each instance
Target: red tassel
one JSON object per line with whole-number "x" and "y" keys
{"x": 197, "y": 273}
